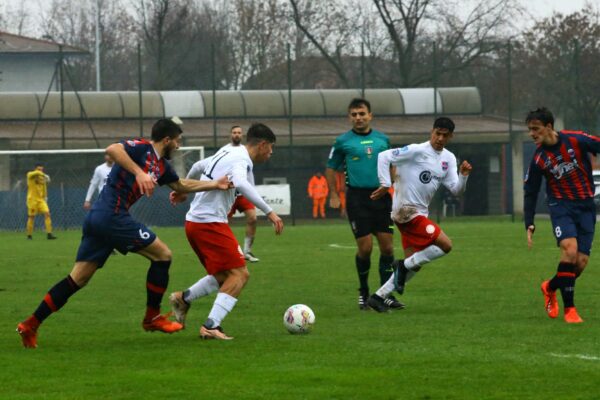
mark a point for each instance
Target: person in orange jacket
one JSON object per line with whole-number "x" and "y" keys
{"x": 318, "y": 191}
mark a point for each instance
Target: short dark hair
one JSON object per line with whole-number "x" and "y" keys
{"x": 541, "y": 114}
{"x": 233, "y": 127}
{"x": 39, "y": 164}
{"x": 259, "y": 132}
{"x": 165, "y": 127}
{"x": 444, "y": 123}
{"x": 359, "y": 102}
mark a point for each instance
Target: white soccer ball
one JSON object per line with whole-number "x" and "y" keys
{"x": 299, "y": 318}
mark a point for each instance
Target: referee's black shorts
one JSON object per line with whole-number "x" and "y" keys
{"x": 368, "y": 216}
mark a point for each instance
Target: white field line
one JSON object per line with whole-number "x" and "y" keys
{"x": 579, "y": 356}
{"x": 341, "y": 246}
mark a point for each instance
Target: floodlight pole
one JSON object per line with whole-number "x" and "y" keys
{"x": 140, "y": 101}
{"x": 62, "y": 96}
{"x": 98, "y": 88}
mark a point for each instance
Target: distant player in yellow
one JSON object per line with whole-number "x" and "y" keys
{"x": 37, "y": 196}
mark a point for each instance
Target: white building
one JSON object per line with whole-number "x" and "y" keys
{"x": 27, "y": 64}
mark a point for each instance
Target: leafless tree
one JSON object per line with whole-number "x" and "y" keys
{"x": 461, "y": 34}
{"x": 332, "y": 27}
{"x": 556, "y": 65}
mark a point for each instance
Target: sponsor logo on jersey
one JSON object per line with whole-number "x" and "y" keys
{"x": 427, "y": 176}
{"x": 563, "y": 168}
{"x": 366, "y": 142}
{"x": 131, "y": 143}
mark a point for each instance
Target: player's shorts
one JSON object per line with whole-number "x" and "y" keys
{"x": 241, "y": 204}
{"x": 419, "y": 233}
{"x": 104, "y": 231}
{"x": 215, "y": 245}
{"x": 35, "y": 207}
{"x": 574, "y": 219}
{"x": 368, "y": 216}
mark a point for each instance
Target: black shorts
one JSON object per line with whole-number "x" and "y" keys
{"x": 368, "y": 216}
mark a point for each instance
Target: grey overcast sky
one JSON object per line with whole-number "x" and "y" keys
{"x": 536, "y": 8}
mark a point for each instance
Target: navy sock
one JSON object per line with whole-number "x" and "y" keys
{"x": 156, "y": 284}
{"x": 55, "y": 298}
{"x": 385, "y": 268}
{"x": 565, "y": 281}
{"x": 362, "y": 267}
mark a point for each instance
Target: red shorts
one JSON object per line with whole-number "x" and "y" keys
{"x": 419, "y": 233}
{"x": 241, "y": 204}
{"x": 215, "y": 245}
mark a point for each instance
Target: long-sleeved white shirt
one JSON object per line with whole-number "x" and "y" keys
{"x": 98, "y": 180}
{"x": 213, "y": 206}
{"x": 420, "y": 170}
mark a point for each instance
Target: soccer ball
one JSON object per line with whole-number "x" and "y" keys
{"x": 299, "y": 318}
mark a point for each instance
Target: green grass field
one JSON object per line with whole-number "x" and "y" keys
{"x": 474, "y": 326}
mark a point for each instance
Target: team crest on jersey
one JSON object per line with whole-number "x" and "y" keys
{"x": 444, "y": 165}
{"x": 369, "y": 150}
{"x": 131, "y": 143}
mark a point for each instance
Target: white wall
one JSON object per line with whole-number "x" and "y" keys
{"x": 26, "y": 73}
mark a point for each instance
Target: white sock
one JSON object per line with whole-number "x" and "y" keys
{"x": 387, "y": 288}
{"x": 248, "y": 241}
{"x": 222, "y": 306}
{"x": 424, "y": 256}
{"x": 203, "y": 287}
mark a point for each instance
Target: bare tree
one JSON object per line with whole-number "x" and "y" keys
{"x": 167, "y": 31}
{"x": 329, "y": 27}
{"x": 461, "y": 35}
{"x": 556, "y": 66}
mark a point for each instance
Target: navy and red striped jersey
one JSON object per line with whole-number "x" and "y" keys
{"x": 121, "y": 190}
{"x": 567, "y": 168}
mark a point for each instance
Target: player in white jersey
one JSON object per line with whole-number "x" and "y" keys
{"x": 98, "y": 180}
{"x": 420, "y": 169}
{"x": 211, "y": 237}
{"x": 242, "y": 204}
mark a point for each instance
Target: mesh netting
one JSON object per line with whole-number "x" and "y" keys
{"x": 70, "y": 173}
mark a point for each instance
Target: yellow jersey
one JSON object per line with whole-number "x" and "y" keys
{"x": 36, "y": 186}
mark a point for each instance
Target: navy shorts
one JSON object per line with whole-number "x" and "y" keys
{"x": 574, "y": 219}
{"x": 368, "y": 216}
{"x": 104, "y": 231}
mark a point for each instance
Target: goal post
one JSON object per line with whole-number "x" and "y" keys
{"x": 70, "y": 172}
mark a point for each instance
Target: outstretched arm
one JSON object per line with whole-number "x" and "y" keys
{"x": 193, "y": 185}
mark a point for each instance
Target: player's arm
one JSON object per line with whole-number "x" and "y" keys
{"x": 334, "y": 198}
{"x": 145, "y": 182}
{"x": 240, "y": 180}
{"x": 334, "y": 164}
{"x": 193, "y": 185}
{"x": 531, "y": 188}
{"x": 456, "y": 182}
{"x": 385, "y": 166}
{"x": 95, "y": 182}
{"x": 591, "y": 143}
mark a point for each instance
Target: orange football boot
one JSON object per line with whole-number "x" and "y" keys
{"x": 550, "y": 299}
{"x": 162, "y": 323}
{"x": 571, "y": 316}
{"x": 28, "y": 335}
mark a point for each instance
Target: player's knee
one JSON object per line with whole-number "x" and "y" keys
{"x": 251, "y": 220}
{"x": 446, "y": 246}
{"x": 165, "y": 255}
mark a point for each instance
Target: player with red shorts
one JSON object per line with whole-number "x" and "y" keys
{"x": 211, "y": 237}
{"x": 419, "y": 171}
